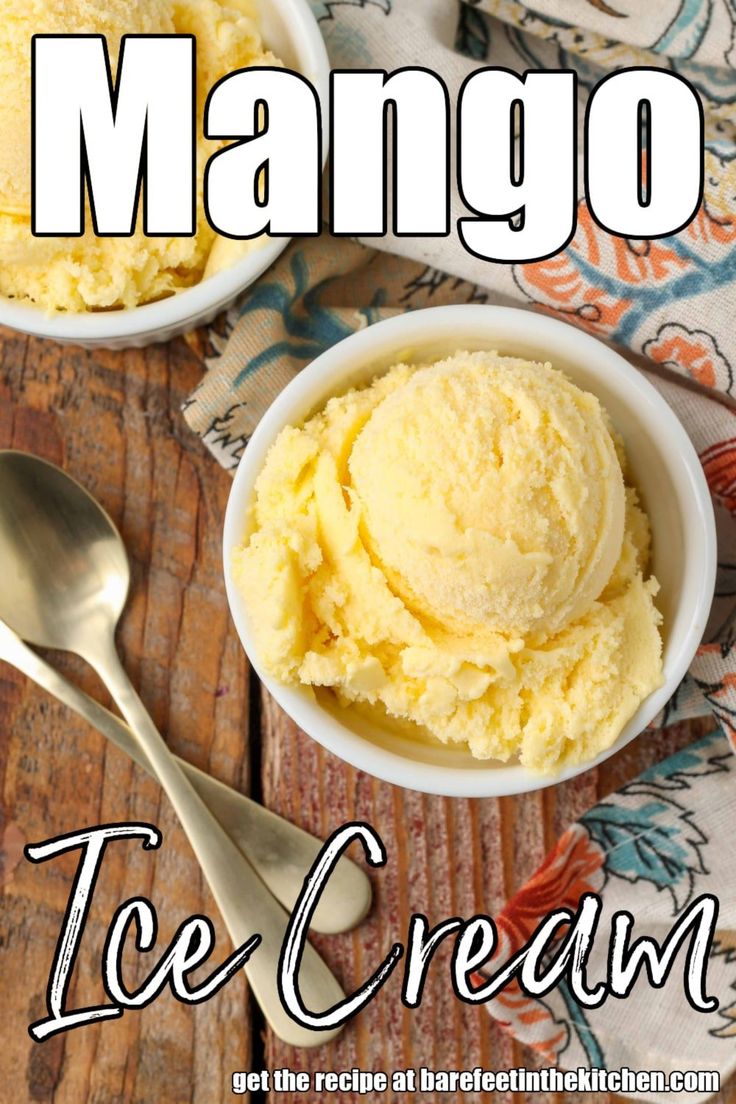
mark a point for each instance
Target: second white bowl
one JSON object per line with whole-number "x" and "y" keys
{"x": 664, "y": 466}
{"x": 291, "y": 31}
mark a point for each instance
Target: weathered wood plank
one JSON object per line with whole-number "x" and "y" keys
{"x": 113, "y": 421}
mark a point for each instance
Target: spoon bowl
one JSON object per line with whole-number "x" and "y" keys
{"x": 65, "y": 574}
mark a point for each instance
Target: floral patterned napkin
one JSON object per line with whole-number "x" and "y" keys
{"x": 663, "y": 839}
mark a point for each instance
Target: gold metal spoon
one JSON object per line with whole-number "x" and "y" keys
{"x": 64, "y": 580}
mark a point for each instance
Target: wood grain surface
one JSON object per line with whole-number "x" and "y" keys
{"x": 113, "y": 422}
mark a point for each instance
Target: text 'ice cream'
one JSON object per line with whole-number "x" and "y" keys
{"x": 101, "y": 272}
{"x": 456, "y": 546}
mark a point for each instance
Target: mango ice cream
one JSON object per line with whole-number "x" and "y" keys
{"x": 456, "y": 546}
{"x": 75, "y": 274}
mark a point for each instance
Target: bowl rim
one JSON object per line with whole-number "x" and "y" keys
{"x": 422, "y": 327}
{"x": 214, "y": 293}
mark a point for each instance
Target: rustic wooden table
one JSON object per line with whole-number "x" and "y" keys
{"x": 113, "y": 422}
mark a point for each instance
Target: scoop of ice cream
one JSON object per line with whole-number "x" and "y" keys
{"x": 491, "y": 494}
{"x": 444, "y": 548}
{"x": 90, "y": 272}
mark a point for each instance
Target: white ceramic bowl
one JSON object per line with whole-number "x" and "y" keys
{"x": 291, "y": 31}
{"x": 664, "y": 466}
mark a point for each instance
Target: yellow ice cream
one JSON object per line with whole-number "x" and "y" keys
{"x": 81, "y": 273}
{"x": 522, "y": 528}
{"x": 455, "y": 545}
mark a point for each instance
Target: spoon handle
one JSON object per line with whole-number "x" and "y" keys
{"x": 280, "y": 852}
{"x": 243, "y": 900}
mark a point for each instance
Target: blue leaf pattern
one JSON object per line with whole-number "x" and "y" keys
{"x": 649, "y": 840}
